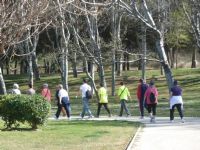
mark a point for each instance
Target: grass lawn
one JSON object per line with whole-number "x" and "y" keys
{"x": 189, "y": 80}
{"x": 75, "y": 135}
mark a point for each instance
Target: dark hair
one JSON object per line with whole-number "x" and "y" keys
{"x": 84, "y": 80}
{"x": 175, "y": 82}
{"x": 151, "y": 83}
{"x": 141, "y": 80}
{"x": 121, "y": 83}
{"x": 30, "y": 85}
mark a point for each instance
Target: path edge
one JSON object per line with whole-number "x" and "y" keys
{"x": 129, "y": 146}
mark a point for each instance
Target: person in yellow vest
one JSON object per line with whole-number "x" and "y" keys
{"x": 103, "y": 100}
{"x": 123, "y": 94}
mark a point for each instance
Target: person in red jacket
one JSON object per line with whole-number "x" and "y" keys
{"x": 141, "y": 89}
{"x": 151, "y": 96}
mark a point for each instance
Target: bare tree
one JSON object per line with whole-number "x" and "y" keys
{"x": 16, "y": 18}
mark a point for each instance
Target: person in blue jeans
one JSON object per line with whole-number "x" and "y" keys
{"x": 85, "y": 101}
{"x": 123, "y": 94}
{"x": 63, "y": 98}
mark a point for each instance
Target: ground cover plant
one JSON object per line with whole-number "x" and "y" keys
{"x": 76, "y": 135}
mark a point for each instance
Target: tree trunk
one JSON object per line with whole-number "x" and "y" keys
{"x": 2, "y": 84}
{"x": 144, "y": 51}
{"x": 194, "y": 61}
{"x": 35, "y": 66}
{"x": 164, "y": 62}
{"x": 74, "y": 67}
{"x": 15, "y": 72}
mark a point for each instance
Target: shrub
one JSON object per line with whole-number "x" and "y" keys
{"x": 24, "y": 108}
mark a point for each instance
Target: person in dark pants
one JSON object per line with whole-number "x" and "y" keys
{"x": 63, "y": 102}
{"x": 141, "y": 89}
{"x": 103, "y": 100}
{"x": 123, "y": 94}
{"x": 176, "y": 101}
{"x": 151, "y": 96}
{"x": 60, "y": 107}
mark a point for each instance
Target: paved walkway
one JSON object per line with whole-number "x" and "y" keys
{"x": 162, "y": 135}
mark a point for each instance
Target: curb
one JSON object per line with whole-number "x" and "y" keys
{"x": 130, "y": 145}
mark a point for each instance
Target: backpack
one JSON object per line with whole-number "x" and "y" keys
{"x": 88, "y": 94}
{"x": 152, "y": 97}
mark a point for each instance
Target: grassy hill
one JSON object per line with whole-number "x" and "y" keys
{"x": 189, "y": 80}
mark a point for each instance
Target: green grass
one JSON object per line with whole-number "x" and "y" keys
{"x": 189, "y": 80}
{"x": 76, "y": 135}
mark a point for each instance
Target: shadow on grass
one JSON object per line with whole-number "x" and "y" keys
{"x": 18, "y": 129}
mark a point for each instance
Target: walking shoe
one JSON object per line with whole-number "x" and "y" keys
{"x": 69, "y": 118}
{"x": 128, "y": 115}
{"x": 109, "y": 115}
{"x": 141, "y": 117}
{"x": 91, "y": 116}
{"x": 171, "y": 121}
{"x": 56, "y": 118}
{"x": 182, "y": 120}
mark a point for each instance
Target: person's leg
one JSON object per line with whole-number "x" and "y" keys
{"x": 121, "y": 108}
{"x": 106, "y": 107}
{"x": 126, "y": 108}
{"x": 58, "y": 110}
{"x": 84, "y": 108}
{"x": 141, "y": 105}
{"x": 179, "y": 108}
{"x": 99, "y": 108}
{"x": 87, "y": 108}
{"x": 68, "y": 110}
{"x": 172, "y": 113}
{"x": 154, "y": 112}
{"x": 154, "y": 109}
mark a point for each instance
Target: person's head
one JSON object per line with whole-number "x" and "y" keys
{"x": 121, "y": 83}
{"x": 45, "y": 85}
{"x": 175, "y": 82}
{"x": 30, "y": 85}
{"x": 15, "y": 86}
{"x": 84, "y": 81}
{"x": 141, "y": 80}
{"x": 151, "y": 83}
{"x": 101, "y": 84}
{"x": 60, "y": 86}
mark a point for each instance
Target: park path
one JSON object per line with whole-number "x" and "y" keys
{"x": 162, "y": 135}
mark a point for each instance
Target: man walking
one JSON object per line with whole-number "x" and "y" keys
{"x": 141, "y": 89}
{"x": 103, "y": 100}
{"x": 84, "y": 88}
{"x": 123, "y": 94}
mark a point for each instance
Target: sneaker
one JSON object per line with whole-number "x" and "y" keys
{"x": 91, "y": 116}
{"x": 182, "y": 120}
{"x": 69, "y": 118}
{"x": 109, "y": 115}
{"x": 56, "y": 118}
{"x": 171, "y": 121}
{"x": 141, "y": 117}
{"x": 128, "y": 115}
{"x": 150, "y": 115}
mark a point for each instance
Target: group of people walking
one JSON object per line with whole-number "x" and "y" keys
{"x": 147, "y": 96}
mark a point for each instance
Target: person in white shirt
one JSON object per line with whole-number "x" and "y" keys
{"x": 64, "y": 101}
{"x": 83, "y": 88}
{"x": 15, "y": 89}
{"x": 30, "y": 91}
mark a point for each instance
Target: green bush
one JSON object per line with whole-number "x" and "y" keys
{"x": 15, "y": 109}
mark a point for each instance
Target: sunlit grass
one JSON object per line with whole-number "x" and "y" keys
{"x": 76, "y": 135}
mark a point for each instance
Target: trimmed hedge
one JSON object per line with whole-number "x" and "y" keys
{"x": 15, "y": 109}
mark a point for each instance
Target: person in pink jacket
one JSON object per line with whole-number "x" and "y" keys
{"x": 46, "y": 93}
{"x": 151, "y": 95}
